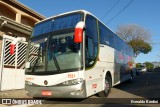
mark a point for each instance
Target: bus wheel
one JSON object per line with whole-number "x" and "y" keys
{"x": 107, "y": 87}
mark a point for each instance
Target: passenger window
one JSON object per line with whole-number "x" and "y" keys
{"x": 111, "y": 41}
{"x": 103, "y": 34}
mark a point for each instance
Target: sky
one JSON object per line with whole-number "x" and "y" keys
{"x": 145, "y": 13}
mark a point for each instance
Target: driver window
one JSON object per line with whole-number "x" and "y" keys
{"x": 89, "y": 51}
{"x": 91, "y": 41}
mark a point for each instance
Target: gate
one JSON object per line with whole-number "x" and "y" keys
{"x": 12, "y": 73}
{"x": 12, "y": 66}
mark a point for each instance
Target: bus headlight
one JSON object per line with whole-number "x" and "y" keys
{"x": 71, "y": 82}
{"x": 28, "y": 83}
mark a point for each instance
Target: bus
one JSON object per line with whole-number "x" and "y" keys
{"x": 76, "y": 56}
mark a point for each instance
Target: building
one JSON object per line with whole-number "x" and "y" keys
{"x": 16, "y": 20}
{"x": 156, "y": 64}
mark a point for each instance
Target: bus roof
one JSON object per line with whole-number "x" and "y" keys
{"x": 84, "y": 11}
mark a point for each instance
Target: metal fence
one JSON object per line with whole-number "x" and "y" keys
{"x": 12, "y": 73}
{"x": 17, "y": 60}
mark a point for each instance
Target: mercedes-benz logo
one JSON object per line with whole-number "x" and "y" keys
{"x": 45, "y": 82}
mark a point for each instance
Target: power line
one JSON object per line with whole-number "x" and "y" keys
{"x": 120, "y": 11}
{"x": 110, "y": 9}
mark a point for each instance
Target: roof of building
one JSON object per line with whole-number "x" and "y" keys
{"x": 25, "y": 8}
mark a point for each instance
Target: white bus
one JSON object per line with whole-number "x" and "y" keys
{"x": 77, "y": 56}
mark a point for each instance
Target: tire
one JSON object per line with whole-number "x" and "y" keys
{"x": 107, "y": 89}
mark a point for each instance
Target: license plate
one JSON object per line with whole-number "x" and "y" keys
{"x": 46, "y": 93}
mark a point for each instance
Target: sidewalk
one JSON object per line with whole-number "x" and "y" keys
{"x": 14, "y": 105}
{"x": 20, "y": 93}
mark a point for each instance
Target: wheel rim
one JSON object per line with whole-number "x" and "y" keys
{"x": 107, "y": 86}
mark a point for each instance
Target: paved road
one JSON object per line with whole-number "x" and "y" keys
{"x": 146, "y": 85}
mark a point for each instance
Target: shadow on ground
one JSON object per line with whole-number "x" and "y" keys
{"x": 146, "y": 85}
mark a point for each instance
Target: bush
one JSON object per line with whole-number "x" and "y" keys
{"x": 149, "y": 66}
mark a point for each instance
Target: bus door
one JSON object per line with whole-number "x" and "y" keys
{"x": 92, "y": 74}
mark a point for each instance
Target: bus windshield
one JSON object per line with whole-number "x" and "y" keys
{"x": 63, "y": 52}
{"x": 52, "y": 48}
{"x": 55, "y": 54}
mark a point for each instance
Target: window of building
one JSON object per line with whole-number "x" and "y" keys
{"x": 27, "y": 21}
{"x": 7, "y": 12}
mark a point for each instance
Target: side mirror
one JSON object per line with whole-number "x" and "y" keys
{"x": 78, "y": 33}
{"x": 28, "y": 65}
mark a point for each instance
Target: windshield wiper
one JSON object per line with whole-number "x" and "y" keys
{"x": 34, "y": 66}
{"x": 56, "y": 62}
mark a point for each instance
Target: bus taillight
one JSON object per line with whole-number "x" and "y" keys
{"x": 78, "y": 33}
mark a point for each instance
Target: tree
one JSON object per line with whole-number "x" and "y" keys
{"x": 138, "y": 65}
{"x": 139, "y": 46}
{"x": 149, "y": 66}
{"x": 137, "y": 37}
{"x": 133, "y": 32}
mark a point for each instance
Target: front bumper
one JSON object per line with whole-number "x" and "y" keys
{"x": 74, "y": 91}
